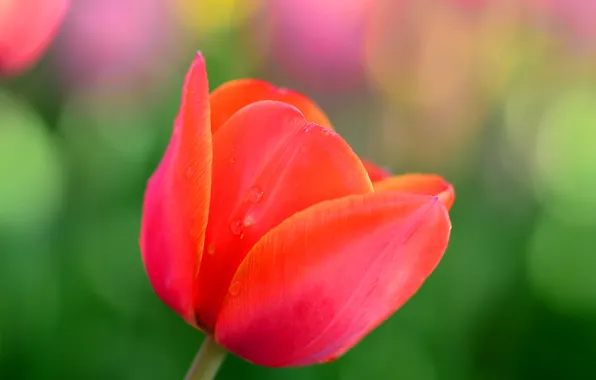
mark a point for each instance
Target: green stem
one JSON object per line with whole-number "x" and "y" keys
{"x": 207, "y": 361}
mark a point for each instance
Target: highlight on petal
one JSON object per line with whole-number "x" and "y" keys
{"x": 430, "y": 184}
{"x": 316, "y": 284}
{"x": 176, "y": 201}
{"x": 375, "y": 172}
{"x": 268, "y": 164}
{"x": 234, "y": 95}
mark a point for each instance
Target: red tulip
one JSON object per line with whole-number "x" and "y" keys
{"x": 26, "y": 29}
{"x": 262, "y": 228}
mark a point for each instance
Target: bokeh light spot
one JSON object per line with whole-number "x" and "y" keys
{"x": 565, "y": 154}
{"x": 30, "y": 167}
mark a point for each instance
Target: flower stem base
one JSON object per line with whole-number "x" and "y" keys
{"x": 207, "y": 361}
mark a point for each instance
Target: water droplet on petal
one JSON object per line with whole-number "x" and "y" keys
{"x": 255, "y": 194}
{"x": 210, "y": 249}
{"x": 237, "y": 226}
{"x": 234, "y": 288}
{"x": 308, "y": 127}
{"x": 327, "y": 132}
{"x": 232, "y": 160}
{"x": 248, "y": 221}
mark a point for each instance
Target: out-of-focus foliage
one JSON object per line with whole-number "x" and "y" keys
{"x": 498, "y": 96}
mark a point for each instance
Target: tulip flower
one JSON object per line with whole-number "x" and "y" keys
{"x": 26, "y": 29}
{"x": 262, "y": 228}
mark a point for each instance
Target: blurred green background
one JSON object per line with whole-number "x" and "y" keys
{"x": 499, "y": 97}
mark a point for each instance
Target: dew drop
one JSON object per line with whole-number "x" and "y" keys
{"x": 237, "y": 226}
{"x": 307, "y": 128}
{"x": 255, "y": 194}
{"x": 232, "y": 159}
{"x": 234, "y": 289}
{"x": 248, "y": 221}
{"x": 326, "y": 132}
{"x": 210, "y": 249}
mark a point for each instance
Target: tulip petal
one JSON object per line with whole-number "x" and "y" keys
{"x": 375, "y": 172}
{"x": 234, "y": 95}
{"x": 176, "y": 202}
{"x": 268, "y": 164}
{"x": 430, "y": 184}
{"x": 25, "y": 35}
{"x": 313, "y": 286}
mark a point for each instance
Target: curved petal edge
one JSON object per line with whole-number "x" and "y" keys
{"x": 430, "y": 184}
{"x": 232, "y": 96}
{"x": 320, "y": 281}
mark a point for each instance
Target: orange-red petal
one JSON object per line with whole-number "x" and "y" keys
{"x": 430, "y": 184}
{"x": 176, "y": 201}
{"x": 232, "y": 96}
{"x": 313, "y": 286}
{"x": 268, "y": 164}
{"x": 375, "y": 172}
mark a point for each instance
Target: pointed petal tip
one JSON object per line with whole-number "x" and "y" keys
{"x": 199, "y": 60}
{"x": 447, "y": 196}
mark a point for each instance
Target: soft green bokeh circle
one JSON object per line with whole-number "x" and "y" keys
{"x": 562, "y": 256}
{"x": 108, "y": 137}
{"x": 566, "y": 154}
{"x": 31, "y": 172}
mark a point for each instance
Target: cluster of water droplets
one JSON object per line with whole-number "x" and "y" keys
{"x": 237, "y": 226}
{"x": 232, "y": 159}
{"x": 325, "y": 131}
